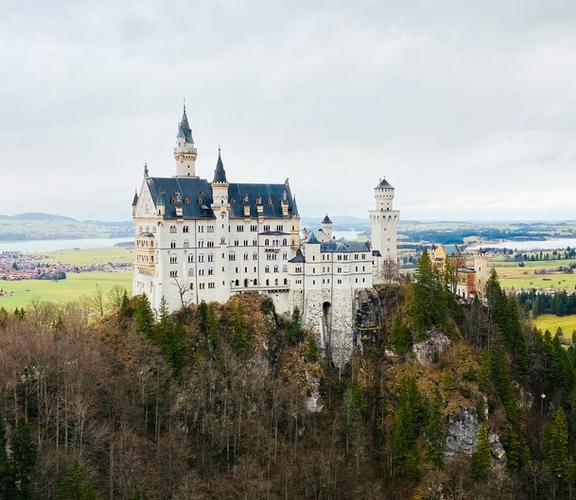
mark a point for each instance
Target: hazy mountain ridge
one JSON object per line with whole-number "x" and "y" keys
{"x": 39, "y": 225}
{"x": 44, "y": 226}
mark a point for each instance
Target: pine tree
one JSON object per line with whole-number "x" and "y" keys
{"x": 435, "y": 432}
{"x": 23, "y": 459}
{"x": 400, "y": 337}
{"x": 240, "y": 341}
{"x": 408, "y": 423}
{"x": 7, "y": 486}
{"x": 294, "y": 328}
{"x": 428, "y": 299}
{"x": 144, "y": 317}
{"x": 555, "y": 448}
{"x": 76, "y": 486}
{"x": 482, "y": 457}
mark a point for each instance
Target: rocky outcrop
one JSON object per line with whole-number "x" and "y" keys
{"x": 461, "y": 433}
{"x": 429, "y": 350}
{"x": 461, "y": 437}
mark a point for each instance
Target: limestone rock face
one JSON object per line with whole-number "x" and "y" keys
{"x": 430, "y": 349}
{"x": 461, "y": 433}
{"x": 461, "y": 438}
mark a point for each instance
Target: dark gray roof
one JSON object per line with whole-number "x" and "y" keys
{"x": 326, "y": 220}
{"x": 184, "y": 128}
{"x": 341, "y": 246}
{"x": 220, "y": 173}
{"x": 135, "y": 199}
{"x": 196, "y": 197}
{"x": 384, "y": 184}
{"x": 311, "y": 238}
{"x": 269, "y": 196}
{"x": 299, "y": 257}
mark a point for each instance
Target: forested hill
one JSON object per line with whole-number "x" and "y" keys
{"x": 445, "y": 400}
{"x": 42, "y": 226}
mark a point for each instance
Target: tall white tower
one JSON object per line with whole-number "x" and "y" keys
{"x": 384, "y": 223}
{"x": 185, "y": 152}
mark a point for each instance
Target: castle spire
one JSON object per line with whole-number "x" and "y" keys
{"x": 185, "y": 153}
{"x": 219, "y": 173}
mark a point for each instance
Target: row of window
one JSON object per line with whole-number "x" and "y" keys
{"x": 239, "y": 228}
{"x": 339, "y": 269}
{"x": 231, "y": 257}
{"x": 210, "y": 243}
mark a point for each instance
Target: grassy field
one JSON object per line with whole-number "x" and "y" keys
{"x": 514, "y": 277}
{"x": 76, "y": 285}
{"x": 551, "y": 323}
{"x": 81, "y": 257}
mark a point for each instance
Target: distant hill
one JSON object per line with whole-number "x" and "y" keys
{"x": 43, "y": 226}
{"x": 37, "y": 216}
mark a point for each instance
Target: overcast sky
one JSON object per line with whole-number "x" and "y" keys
{"x": 466, "y": 107}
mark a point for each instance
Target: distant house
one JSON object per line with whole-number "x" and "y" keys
{"x": 468, "y": 280}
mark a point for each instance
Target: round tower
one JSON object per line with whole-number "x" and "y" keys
{"x": 384, "y": 225}
{"x": 185, "y": 152}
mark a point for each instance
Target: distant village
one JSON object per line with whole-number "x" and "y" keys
{"x": 16, "y": 266}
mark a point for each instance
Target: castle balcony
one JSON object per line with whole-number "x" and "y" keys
{"x": 146, "y": 269}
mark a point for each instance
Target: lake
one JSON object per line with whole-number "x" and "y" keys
{"x": 39, "y": 246}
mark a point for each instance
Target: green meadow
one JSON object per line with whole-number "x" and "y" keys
{"x": 543, "y": 275}
{"x": 76, "y": 285}
{"x": 551, "y": 323}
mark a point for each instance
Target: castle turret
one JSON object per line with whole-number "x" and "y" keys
{"x": 326, "y": 229}
{"x": 185, "y": 152}
{"x": 219, "y": 185}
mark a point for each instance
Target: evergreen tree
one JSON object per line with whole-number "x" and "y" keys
{"x": 76, "y": 486}
{"x": 240, "y": 341}
{"x": 517, "y": 450}
{"x": 435, "y": 432}
{"x": 400, "y": 337}
{"x": 294, "y": 328}
{"x": 555, "y": 448}
{"x": 353, "y": 424}
{"x": 482, "y": 457}
{"x": 23, "y": 459}
{"x": 7, "y": 487}
{"x": 427, "y": 306}
{"x": 144, "y": 317}
{"x": 212, "y": 330}
{"x": 408, "y": 422}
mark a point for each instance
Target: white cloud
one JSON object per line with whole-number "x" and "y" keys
{"x": 466, "y": 109}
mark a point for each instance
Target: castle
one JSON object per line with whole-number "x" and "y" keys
{"x": 198, "y": 240}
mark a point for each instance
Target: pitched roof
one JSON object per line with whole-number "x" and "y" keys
{"x": 384, "y": 184}
{"x": 326, "y": 220}
{"x": 299, "y": 257}
{"x": 340, "y": 246}
{"x": 196, "y": 197}
{"x": 184, "y": 128}
{"x": 219, "y": 173}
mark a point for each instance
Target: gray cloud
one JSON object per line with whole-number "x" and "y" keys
{"x": 467, "y": 109}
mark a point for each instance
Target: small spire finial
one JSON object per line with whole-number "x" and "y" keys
{"x": 184, "y": 104}
{"x": 145, "y": 169}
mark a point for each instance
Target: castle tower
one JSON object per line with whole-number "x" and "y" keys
{"x": 219, "y": 185}
{"x": 185, "y": 152}
{"x": 384, "y": 224}
{"x": 326, "y": 229}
